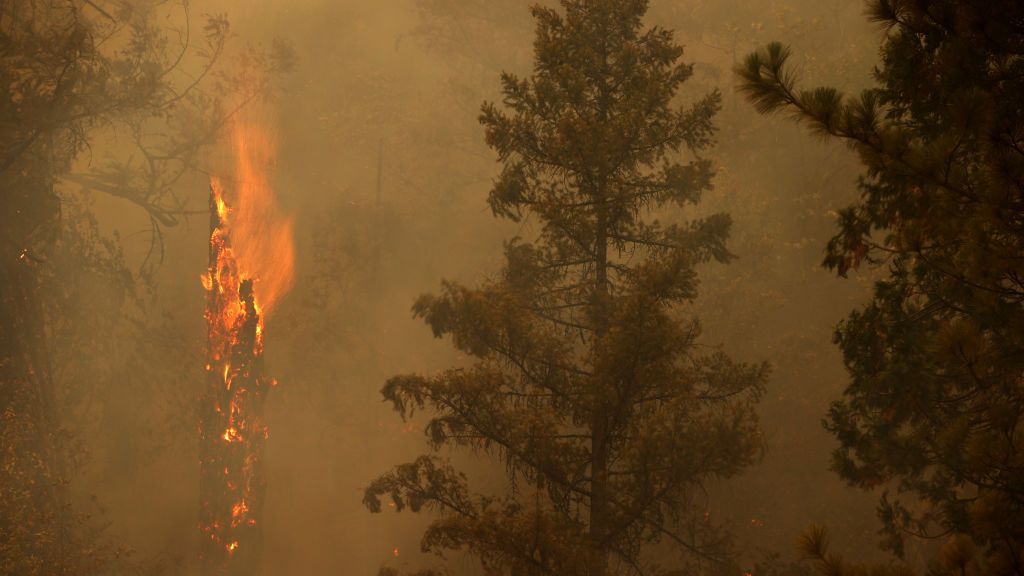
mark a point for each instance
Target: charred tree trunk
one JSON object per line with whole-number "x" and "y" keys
{"x": 232, "y": 432}
{"x": 33, "y": 502}
{"x": 599, "y": 439}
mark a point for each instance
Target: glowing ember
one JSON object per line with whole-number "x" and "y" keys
{"x": 238, "y": 512}
{"x": 251, "y": 268}
{"x": 231, "y": 435}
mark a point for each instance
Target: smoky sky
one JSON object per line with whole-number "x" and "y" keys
{"x": 382, "y": 166}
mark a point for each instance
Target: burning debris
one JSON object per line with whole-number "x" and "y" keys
{"x": 251, "y": 262}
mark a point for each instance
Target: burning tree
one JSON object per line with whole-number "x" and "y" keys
{"x": 251, "y": 265}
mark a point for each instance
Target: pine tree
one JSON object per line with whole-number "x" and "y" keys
{"x": 586, "y": 382}
{"x": 935, "y": 405}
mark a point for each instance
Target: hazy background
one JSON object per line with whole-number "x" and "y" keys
{"x": 383, "y": 167}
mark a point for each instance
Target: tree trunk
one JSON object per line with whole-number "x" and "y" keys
{"x": 27, "y": 394}
{"x": 599, "y": 418}
{"x": 232, "y": 433}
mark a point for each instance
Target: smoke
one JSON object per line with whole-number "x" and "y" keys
{"x": 382, "y": 172}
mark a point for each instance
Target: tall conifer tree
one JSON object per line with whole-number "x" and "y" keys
{"x": 935, "y": 404}
{"x": 585, "y": 381}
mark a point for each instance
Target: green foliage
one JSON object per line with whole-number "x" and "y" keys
{"x": 814, "y": 544}
{"x": 958, "y": 556}
{"x": 584, "y": 380}
{"x": 935, "y": 405}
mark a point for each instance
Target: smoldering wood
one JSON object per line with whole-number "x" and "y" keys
{"x": 232, "y": 432}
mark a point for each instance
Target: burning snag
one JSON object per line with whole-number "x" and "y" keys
{"x": 244, "y": 278}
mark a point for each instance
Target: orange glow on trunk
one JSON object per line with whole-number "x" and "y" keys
{"x": 252, "y": 261}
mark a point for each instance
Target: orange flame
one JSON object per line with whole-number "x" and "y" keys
{"x": 238, "y": 512}
{"x": 231, "y": 435}
{"x": 253, "y": 267}
{"x": 261, "y": 238}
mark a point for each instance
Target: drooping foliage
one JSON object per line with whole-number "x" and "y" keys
{"x": 585, "y": 380}
{"x": 935, "y": 404}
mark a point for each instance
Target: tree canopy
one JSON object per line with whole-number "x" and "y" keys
{"x": 935, "y": 402}
{"x": 585, "y": 378}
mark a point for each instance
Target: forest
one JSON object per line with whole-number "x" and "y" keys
{"x": 512, "y": 287}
